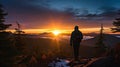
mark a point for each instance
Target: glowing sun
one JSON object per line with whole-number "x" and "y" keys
{"x": 56, "y": 32}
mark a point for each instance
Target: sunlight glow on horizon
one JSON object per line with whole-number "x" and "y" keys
{"x": 62, "y": 31}
{"x": 56, "y": 32}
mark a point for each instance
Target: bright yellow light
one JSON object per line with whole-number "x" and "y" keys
{"x": 56, "y": 32}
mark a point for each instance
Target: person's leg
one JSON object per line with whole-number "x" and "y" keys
{"x": 76, "y": 52}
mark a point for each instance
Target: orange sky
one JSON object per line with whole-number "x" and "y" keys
{"x": 55, "y": 24}
{"x": 35, "y": 16}
{"x": 84, "y": 30}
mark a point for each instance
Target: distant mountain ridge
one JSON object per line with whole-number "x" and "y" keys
{"x": 108, "y": 40}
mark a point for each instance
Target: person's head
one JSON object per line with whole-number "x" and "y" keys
{"x": 76, "y": 28}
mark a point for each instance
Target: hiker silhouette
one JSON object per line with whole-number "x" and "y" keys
{"x": 75, "y": 40}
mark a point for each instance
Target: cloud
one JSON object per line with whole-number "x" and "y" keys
{"x": 105, "y": 13}
{"x": 31, "y": 15}
{"x": 41, "y": 13}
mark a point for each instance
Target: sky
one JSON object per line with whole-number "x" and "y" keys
{"x": 61, "y": 14}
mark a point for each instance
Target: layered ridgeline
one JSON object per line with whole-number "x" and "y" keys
{"x": 108, "y": 40}
{"x": 88, "y": 47}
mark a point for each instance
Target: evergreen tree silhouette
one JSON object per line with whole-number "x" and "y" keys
{"x": 8, "y": 51}
{"x": 2, "y": 19}
{"x": 18, "y": 30}
{"x": 19, "y": 38}
{"x": 101, "y": 48}
{"x": 116, "y": 23}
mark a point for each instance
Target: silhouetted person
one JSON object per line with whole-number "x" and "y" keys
{"x": 75, "y": 40}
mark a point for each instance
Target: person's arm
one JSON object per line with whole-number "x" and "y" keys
{"x": 71, "y": 39}
{"x": 81, "y": 35}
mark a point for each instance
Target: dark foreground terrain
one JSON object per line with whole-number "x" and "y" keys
{"x": 39, "y": 52}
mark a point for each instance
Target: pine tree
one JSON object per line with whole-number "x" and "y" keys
{"x": 116, "y": 23}
{"x": 101, "y": 48}
{"x": 18, "y": 30}
{"x": 2, "y": 19}
{"x": 8, "y": 51}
